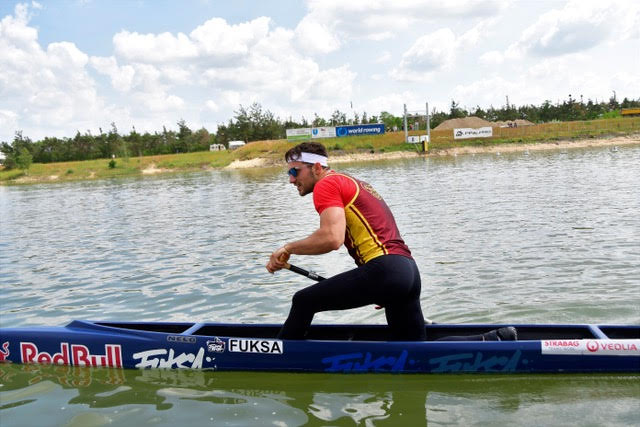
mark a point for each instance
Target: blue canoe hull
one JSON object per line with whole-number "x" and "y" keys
{"x": 329, "y": 348}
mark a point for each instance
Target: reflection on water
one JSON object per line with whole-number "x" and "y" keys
{"x": 76, "y": 396}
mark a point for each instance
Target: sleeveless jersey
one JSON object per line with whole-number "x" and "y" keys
{"x": 371, "y": 229}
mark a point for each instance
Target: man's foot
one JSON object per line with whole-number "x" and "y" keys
{"x": 508, "y": 333}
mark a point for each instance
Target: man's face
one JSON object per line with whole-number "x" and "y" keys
{"x": 305, "y": 179}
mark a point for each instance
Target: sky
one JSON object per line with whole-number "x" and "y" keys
{"x": 70, "y": 66}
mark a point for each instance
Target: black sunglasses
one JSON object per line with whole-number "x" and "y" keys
{"x": 294, "y": 171}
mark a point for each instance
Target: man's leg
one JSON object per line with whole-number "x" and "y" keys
{"x": 343, "y": 291}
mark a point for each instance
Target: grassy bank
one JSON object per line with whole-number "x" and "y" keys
{"x": 273, "y": 151}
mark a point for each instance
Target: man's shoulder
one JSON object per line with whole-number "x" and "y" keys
{"x": 338, "y": 180}
{"x": 340, "y": 177}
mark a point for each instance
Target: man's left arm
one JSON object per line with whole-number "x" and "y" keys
{"x": 327, "y": 238}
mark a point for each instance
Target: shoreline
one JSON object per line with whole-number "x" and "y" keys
{"x": 455, "y": 151}
{"x": 151, "y": 168}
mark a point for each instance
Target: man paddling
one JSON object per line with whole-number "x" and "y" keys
{"x": 354, "y": 214}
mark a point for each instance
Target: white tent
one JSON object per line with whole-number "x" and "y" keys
{"x": 235, "y": 144}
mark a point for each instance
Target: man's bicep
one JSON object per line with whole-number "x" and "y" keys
{"x": 333, "y": 220}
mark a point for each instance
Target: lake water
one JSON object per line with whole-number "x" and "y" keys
{"x": 545, "y": 237}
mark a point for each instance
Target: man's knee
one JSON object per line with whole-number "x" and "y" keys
{"x": 302, "y": 298}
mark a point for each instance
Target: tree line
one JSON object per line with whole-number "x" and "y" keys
{"x": 256, "y": 124}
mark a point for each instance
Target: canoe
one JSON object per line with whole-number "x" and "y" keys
{"x": 328, "y": 348}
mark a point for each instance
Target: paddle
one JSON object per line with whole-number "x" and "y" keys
{"x": 318, "y": 278}
{"x": 305, "y": 273}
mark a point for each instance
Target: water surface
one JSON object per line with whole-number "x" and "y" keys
{"x": 549, "y": 237}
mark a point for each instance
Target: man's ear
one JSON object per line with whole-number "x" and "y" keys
{"x": 317, "y": 168}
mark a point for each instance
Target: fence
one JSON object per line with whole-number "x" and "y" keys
{"x": 555, "y": 130}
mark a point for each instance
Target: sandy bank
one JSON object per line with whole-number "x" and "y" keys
{"x": 502, "y": 148}
{"x": 541, "y": 146}
{"x": 152, "y": 169}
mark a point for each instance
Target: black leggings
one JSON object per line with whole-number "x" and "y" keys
{"x": 392, "y": 281}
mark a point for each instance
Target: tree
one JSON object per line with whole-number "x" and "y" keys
{"x": 24, "y": 159}
{"x": 390, "y": 120}
{"x": 183, "y": 144}
{"x": 456, "y": 112}
{"x": 18, "y": 154}
{"x": 338, "y": 118}
{"x": 318, "y": 121}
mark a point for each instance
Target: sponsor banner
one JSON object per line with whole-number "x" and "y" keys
{"x": 418, "y": 139}
{"x": 465, "y": 133}
{"x": 72, "y": 355}
{"x": 298, "y": 134}
{"x": 169, "y": 359}
{"x": 327, "y": 132}
{"x": 592, "y": 347}
{"x": 4, "y": 351}
{"x": 245, "y": 345}
{"x": 216, "y": 345}
{"x": 375, "y": 129}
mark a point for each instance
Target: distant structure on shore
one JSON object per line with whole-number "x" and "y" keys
{"x": 513, "y": 123}
{"x": 466, "y": 122}
{"x": 474, "y": 122}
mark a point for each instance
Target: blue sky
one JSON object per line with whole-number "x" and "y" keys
{"x": 79, "y": 65}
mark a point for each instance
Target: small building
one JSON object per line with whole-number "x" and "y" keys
{"x": 513, "y": 123}
{"x": 466, "y": 122}
{"x": 235, "y": 144}
{"x": 630, "y": 112}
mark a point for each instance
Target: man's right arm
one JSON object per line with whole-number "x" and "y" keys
{"x": 327, "y": 238}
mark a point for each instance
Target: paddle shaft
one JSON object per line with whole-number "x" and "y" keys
{"x": 305, "y": 273}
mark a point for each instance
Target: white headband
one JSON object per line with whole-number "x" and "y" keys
{"x": 311, "y": 158}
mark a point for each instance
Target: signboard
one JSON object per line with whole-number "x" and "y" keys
{"x": 332, "y": 132}
{"x": 375, "y": 129}
{"x": 465, "y": 133}
{"x": 298, "y": 134}
{"x": 417, "y": 139}
{"x": 326, "y": 132}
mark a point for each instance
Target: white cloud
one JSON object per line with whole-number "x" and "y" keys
{"x": 383, "y": 19}
{"x": 44, "y": 89}
{"x": 217, "y": 40}
{"x": 438, "y": 51}
{"x": 212, "y": 106}
{"x": 315, "y": 37}
{"x": 492, "y": 57}
{"x": 153, "y": 48}
{"x": 491, "y": 91}
{"x": 579, "y": 26}
{"x": 214, "y": 41}
{"x": 8, "y": 119}
{"x": 121, "y": 77}
{"x": 432, "y": 52}
{"x": 384, "y": 56}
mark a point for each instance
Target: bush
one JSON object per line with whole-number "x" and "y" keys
{"x": 24, "y": 159}
{"x": 112, "y": 164}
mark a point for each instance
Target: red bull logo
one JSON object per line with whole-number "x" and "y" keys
{"x": 74, "y": 355}
{"x": 4, "y": 351}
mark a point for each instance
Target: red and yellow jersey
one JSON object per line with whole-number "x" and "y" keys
{"x": 371, "y": 228}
